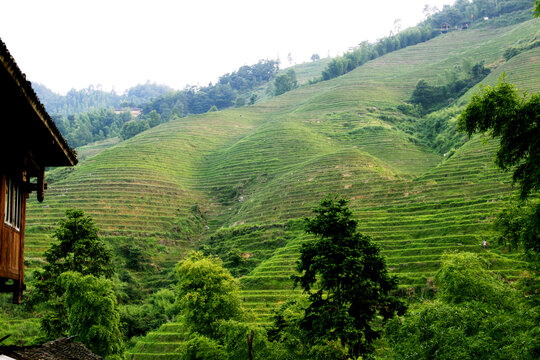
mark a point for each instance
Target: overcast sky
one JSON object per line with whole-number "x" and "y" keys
{"x": 118, "y": 44}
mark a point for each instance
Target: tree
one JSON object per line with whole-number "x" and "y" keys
{"x": 132, "y": 128}
{"x": 92, "y": 313}
{"x": 503, "y": 113}
{"x": 346, "y": 278}
{"x": 252, "y": 99}
{"x": 210, "y": 307}
{"x": 315, "y": 57}
{"x": 78, "y": 249}
{"x": 206, "y": 293}
{"x": 285, "y": 82}
{"x": 475, "y": 315}
{"x": 154, "y": 119}
{"x": 537, "y": 8}
{"x": 240, "y": 101}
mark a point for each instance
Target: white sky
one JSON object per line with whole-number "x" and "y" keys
{"x": 118, "y": 44}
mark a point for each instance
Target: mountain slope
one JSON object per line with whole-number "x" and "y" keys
{"x": 254, "y": 171}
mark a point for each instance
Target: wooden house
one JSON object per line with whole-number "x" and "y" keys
{"x": 29, "y": 142}
{"x": 135, "y": 112}
{"x": 445, "y": 27}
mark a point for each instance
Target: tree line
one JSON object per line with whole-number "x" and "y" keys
{"x": 231, "y": 89}
{"x": 94, "y": 98}
{"x": 461, "y": 13}
{"x": 91, "y": 117}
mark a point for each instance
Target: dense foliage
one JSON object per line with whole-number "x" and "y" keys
{"x": 285, "y": 82}
{"x": 455, "y": 16}
{"x": 84, "y": 128}
{"x": 92, "y": 313}
{"x": 157, "y": 309}
{"x": 207, "y": 293}
{"x": 94, "y": 98}
{"x": 475, "y": 315}
{"x": 504, "y": 113}
{"x": 212, "y": 313}
{"x": 347, "y": 281}
{"x": 78, "y": 248}
{"x": 197, "y": 100}
{"x": 431, "y": 98}
{"x": 86, "y": 116}
{"x": 75, "y": 289}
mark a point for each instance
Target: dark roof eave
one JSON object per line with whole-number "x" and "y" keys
{"x": 69, "y": 155}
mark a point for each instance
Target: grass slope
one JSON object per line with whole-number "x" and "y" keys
{"x": 254, "y": 170}
{"x": 415, "y": 211}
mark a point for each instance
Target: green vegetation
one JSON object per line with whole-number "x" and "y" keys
{"x": 86, "y": 116}
{"x": 222, "y": 95}
{"x": 449, "y": 18}
{"x": 93, "y": 98}
{"x": 475, "y": 315}
{"x": 352, "y": 281}
{"x": 431, "y": 98}
{"x": 236, "y": 183}
{"x": 285, "y": 82}
{"x": 212, "y": 314}
{"x": 75, "y": 289}
{"x": 92, "y": 313}
{"x": 505, "y": 114}
{"x": 522, "y": 45}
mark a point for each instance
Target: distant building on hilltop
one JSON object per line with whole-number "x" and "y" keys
{"x": 445, "y": 27}
{"x": 29, "y": 142}
{"x": 134, "y": 111}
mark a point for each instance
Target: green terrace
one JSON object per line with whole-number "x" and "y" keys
{"x": 236, "y": 183}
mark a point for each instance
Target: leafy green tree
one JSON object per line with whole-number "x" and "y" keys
{"x": 132, "y": 128}
{"x": 206, "y": 293}
{"x": 464, "y": 277}
{"x": 252, "y": 99}
{"x": 290, "y": 341}
{"x": 315, "y": 57}
{"x": 78, "y": 249}
{"x": 240, "y": 101}
{"x": 537, "y": 8}
{"x": 475, "y": 315}
{"x": 503, "y": 113}
{"x": 154, "y": 119}
{"x": 285, "y": 82}
{"x": 92, "y": 313}
{"x": 346, "y": 278}
{"x": 156, "y": 310}
{"x": 210, "y": 308}
{"x": 200, "y": 347}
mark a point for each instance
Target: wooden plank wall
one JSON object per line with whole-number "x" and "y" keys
{"x": 11, "y": 241}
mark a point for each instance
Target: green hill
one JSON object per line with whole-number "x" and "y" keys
{"x": 240, "y": 180}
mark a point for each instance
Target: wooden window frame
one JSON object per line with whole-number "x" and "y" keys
{"x": 13, "y": 203}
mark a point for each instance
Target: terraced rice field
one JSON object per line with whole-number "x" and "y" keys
{"x": 266, "y": 166}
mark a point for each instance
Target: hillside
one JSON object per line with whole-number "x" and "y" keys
{"x": 241, "y": 179}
